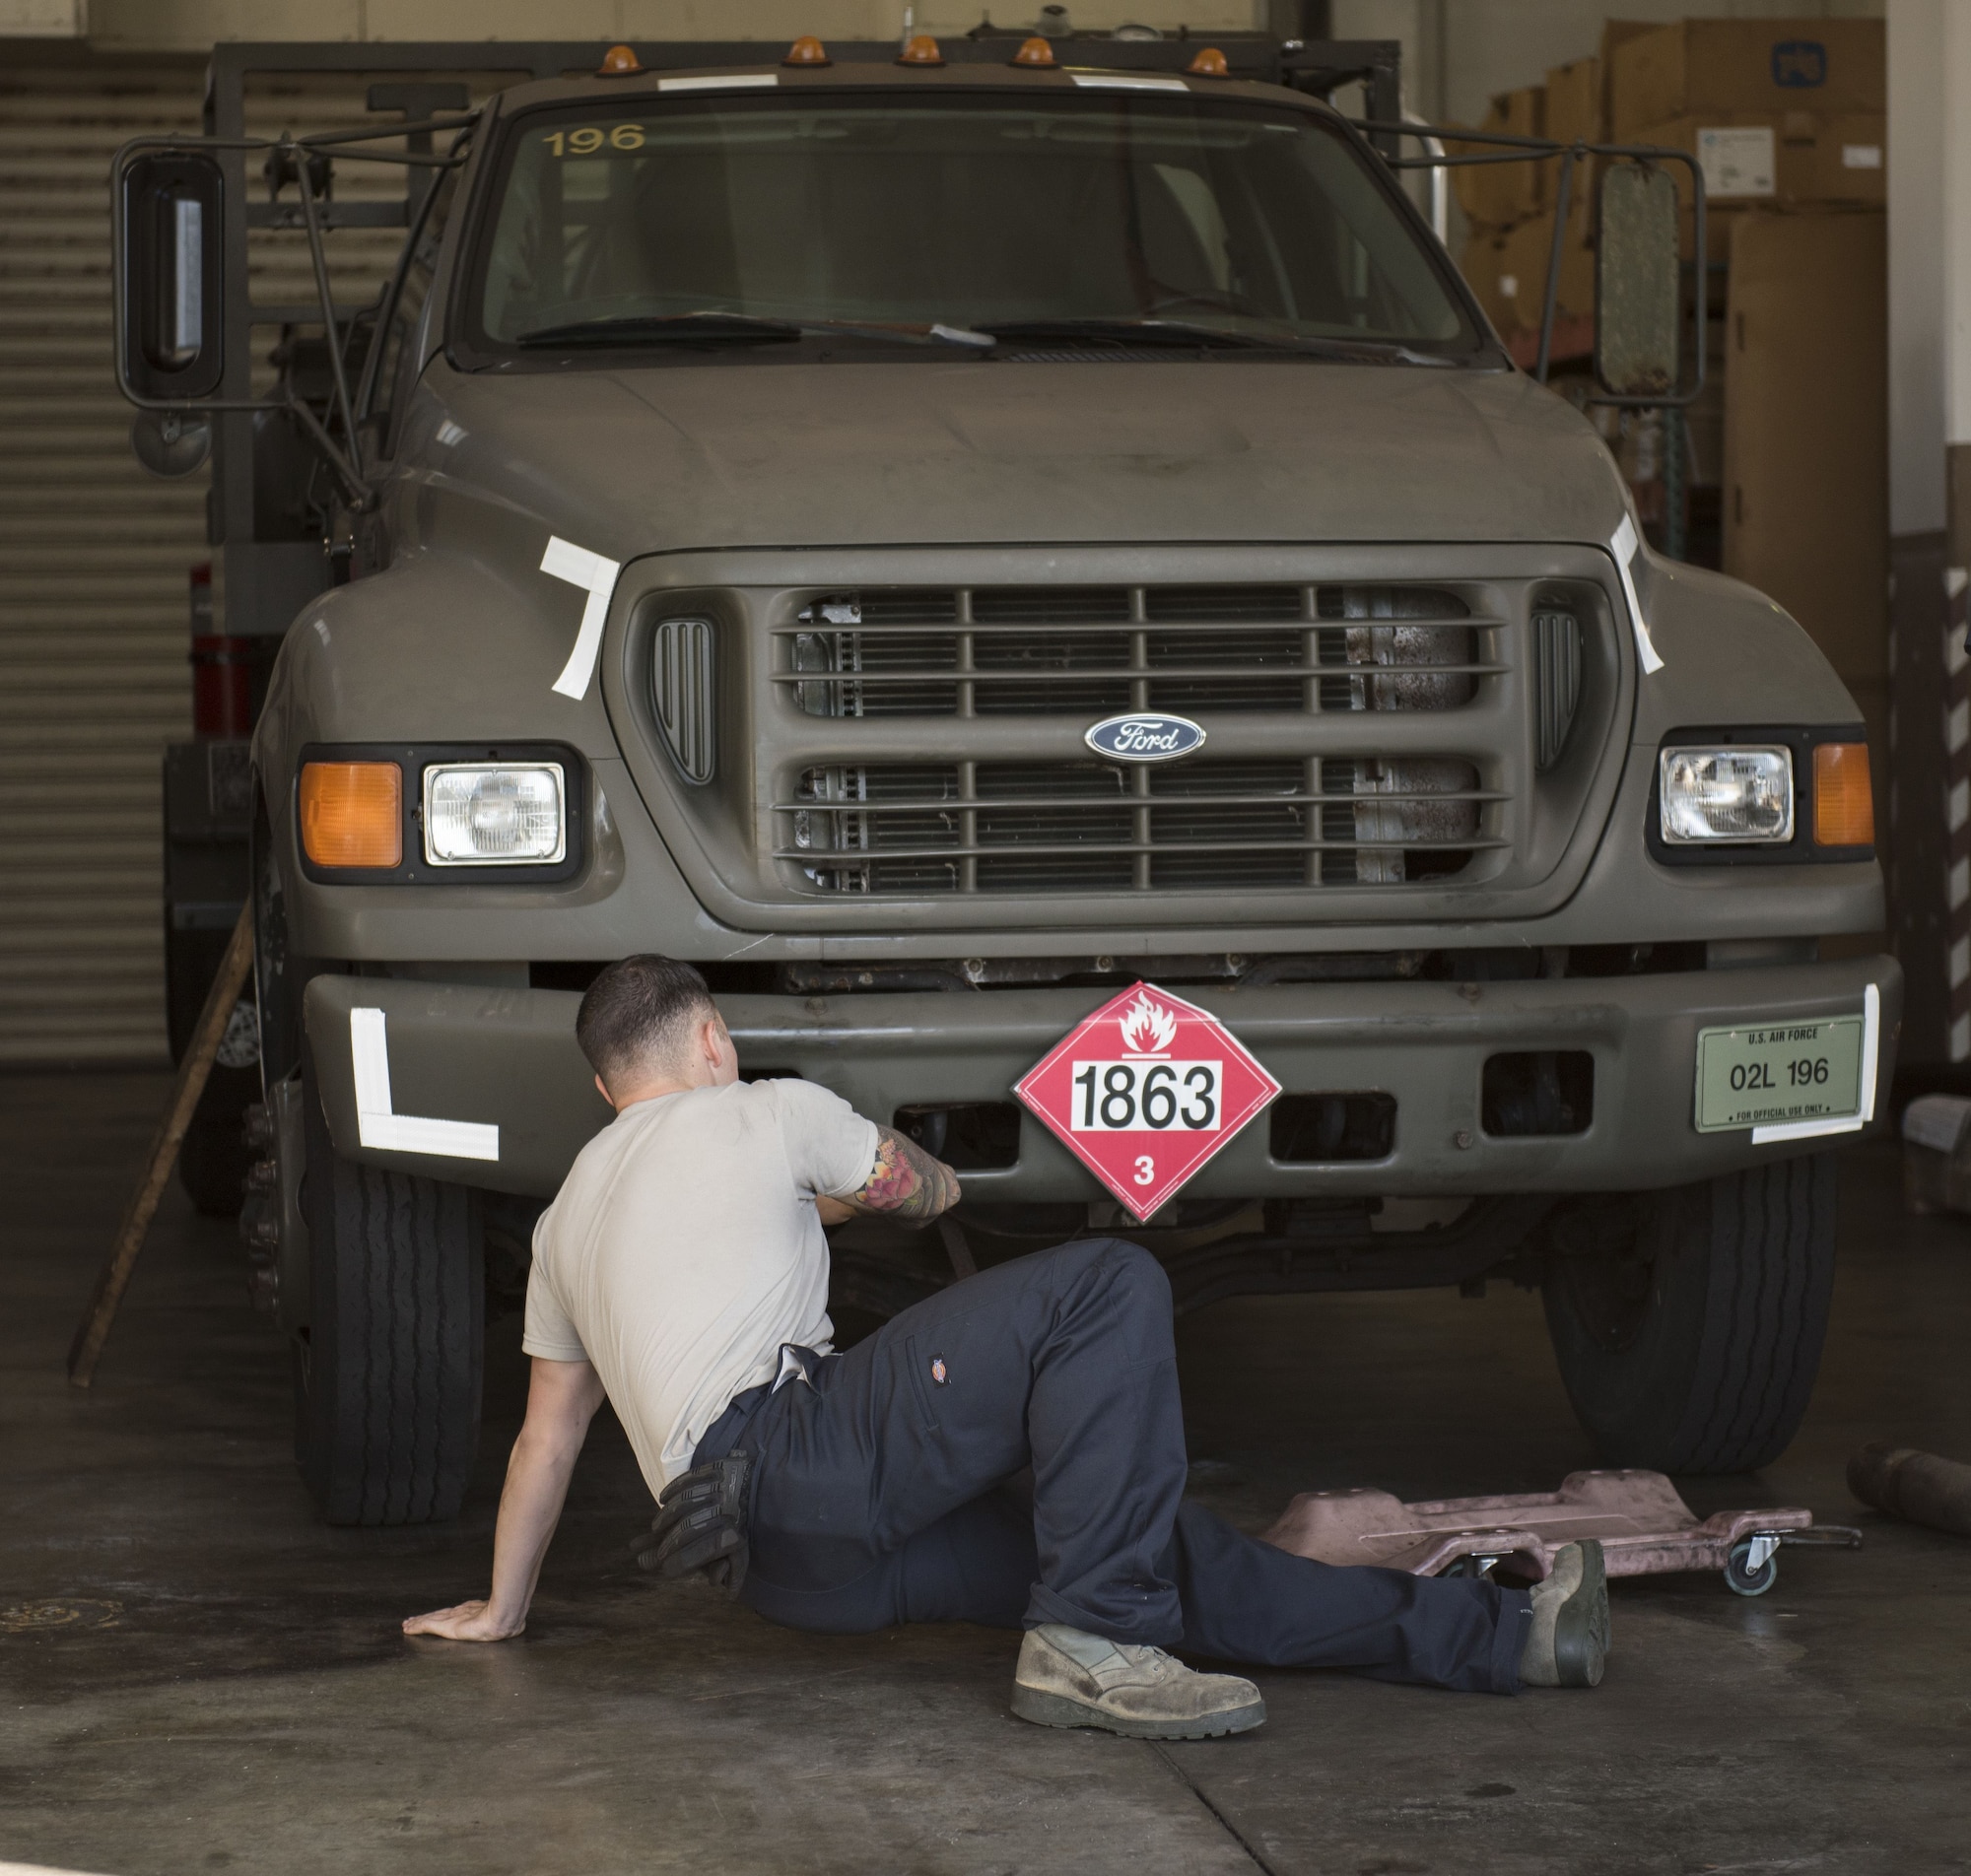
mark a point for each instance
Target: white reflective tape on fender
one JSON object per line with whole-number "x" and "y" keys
{"x": 596, "y": 576}
{"x": 1625, "y": 546}
{"x": 378, "y": 1125}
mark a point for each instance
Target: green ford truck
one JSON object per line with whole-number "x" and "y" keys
{"x": 942, "y": 542}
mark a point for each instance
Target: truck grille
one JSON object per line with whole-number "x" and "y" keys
{"x": 1051, "y": 651}
{"x": 1284, "y": 817}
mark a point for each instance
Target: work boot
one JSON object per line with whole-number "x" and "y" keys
{"x": 1569, "y": 1631}
{"x": 1068, "y": 1678}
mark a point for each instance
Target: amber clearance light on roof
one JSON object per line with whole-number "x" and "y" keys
{"x": 1844, "y": 801}
{"x": 1035, "y": 51}
{"x": 1210, "y": 63}
{"x": 352, "y": 812}
{"x": 807, "y": 50}
{"x": 620, "y": 61}
{"x": 922, "y": 50}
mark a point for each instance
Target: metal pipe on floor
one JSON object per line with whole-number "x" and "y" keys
{"x": 1918, "y": 1486}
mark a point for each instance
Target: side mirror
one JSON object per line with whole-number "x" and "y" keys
{"x": 168, "y": 275}
{"x": 1638, "y": 281}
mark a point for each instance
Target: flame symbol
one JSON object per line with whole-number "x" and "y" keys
{"x": 1149, "y": 1029}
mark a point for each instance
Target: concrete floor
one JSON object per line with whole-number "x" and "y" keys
{"x": 199, "y": 1677}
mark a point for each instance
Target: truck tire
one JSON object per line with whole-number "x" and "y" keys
{"x": 388, "y": 1377}
{"x": 1693, "y": 1347}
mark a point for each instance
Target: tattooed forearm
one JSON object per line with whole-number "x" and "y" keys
{"x": 906, "y": 1183}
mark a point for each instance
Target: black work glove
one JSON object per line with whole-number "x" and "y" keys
{"x": 701, "y": 1524}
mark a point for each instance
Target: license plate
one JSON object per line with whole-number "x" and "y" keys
{"x": 1770, "y": 1075}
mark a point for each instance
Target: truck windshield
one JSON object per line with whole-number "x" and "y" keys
{"x": 728, "y": 218}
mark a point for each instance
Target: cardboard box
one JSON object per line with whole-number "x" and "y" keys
{"x": 1574, "y": 101}
{"x": 1839, "y": 157}
{"x": 1712, "y": 68}
{"x": 1574, "y": 94}
{"x": 1508, "y": 273}
{"x": 1614, "y": 33}
{"x": 1496, "y": 195}
{"x": 1799, "y": 158}
{"x": 1807, "y": 429}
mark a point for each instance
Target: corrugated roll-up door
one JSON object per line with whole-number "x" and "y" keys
{"x": 94, "y": 553}
{"x": 95, "y": 557}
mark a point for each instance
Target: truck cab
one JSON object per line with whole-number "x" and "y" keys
{"x": 790, "y": 505}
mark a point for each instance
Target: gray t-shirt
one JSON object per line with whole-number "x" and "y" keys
{"x": 683, "y": 1250}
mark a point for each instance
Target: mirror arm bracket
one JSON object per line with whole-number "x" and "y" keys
{"x": 362, "y": 495}
{"x": 1563, "y": 200}
{"x": 344, "y": 407}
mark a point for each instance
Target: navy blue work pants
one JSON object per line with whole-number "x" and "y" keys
{"x": 891, "y": 1488}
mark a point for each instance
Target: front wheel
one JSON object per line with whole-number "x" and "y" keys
{"x": 387, "y": 1372}
{"x": 1688, "y": 1324}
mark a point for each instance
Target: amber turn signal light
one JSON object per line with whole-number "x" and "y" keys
{"x": 807, "y": 50}
{"x": 1210, "y": 63}
{"x": 1844, "y": 802}
{"x": 922, "y": 50}
{"x": 1034, "y": 51}
{"x": 352, "y": 812}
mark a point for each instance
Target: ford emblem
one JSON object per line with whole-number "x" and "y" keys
{"x": 1141, "y": 737}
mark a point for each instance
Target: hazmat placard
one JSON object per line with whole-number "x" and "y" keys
{"x": 1145, "y": 1092}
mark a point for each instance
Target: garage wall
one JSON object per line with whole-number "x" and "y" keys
{"x": 94, "y": 553}
{"x": 94, "y": 557}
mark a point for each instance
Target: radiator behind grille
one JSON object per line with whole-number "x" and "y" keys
{"x": 1062, "y": 650}
{"x": 1091, "y": 826}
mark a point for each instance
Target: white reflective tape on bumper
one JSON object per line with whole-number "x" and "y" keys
{"x": 1871, "y": 1056}
{"x": 378, "y": 1125}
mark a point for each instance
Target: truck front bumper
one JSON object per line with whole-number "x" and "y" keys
{"x": 486, "y": 1087}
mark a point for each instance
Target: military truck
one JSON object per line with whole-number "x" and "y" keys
{"x": 940, "y": 538}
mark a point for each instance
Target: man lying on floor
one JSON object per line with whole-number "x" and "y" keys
{"x": 682, "y": 1272}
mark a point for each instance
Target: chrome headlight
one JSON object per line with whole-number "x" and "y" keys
{"x": 495, "y": 814}
{"x": 1743, "y": 793}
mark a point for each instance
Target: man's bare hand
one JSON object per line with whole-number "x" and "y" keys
{"x": 465, "y": 1622}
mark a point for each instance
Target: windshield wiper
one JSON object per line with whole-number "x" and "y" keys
{"x": 666, "y": 328}
{"x": 713, "y": 326}
{"x": 1191, "y": 336}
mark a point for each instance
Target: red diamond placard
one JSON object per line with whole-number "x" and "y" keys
{"x": 1144, "y": 1092}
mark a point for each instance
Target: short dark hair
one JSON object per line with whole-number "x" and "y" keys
{"x": 639, "y": 1011}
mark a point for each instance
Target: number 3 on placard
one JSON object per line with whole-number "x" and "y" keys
{"x": 1147, "y": 1169}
